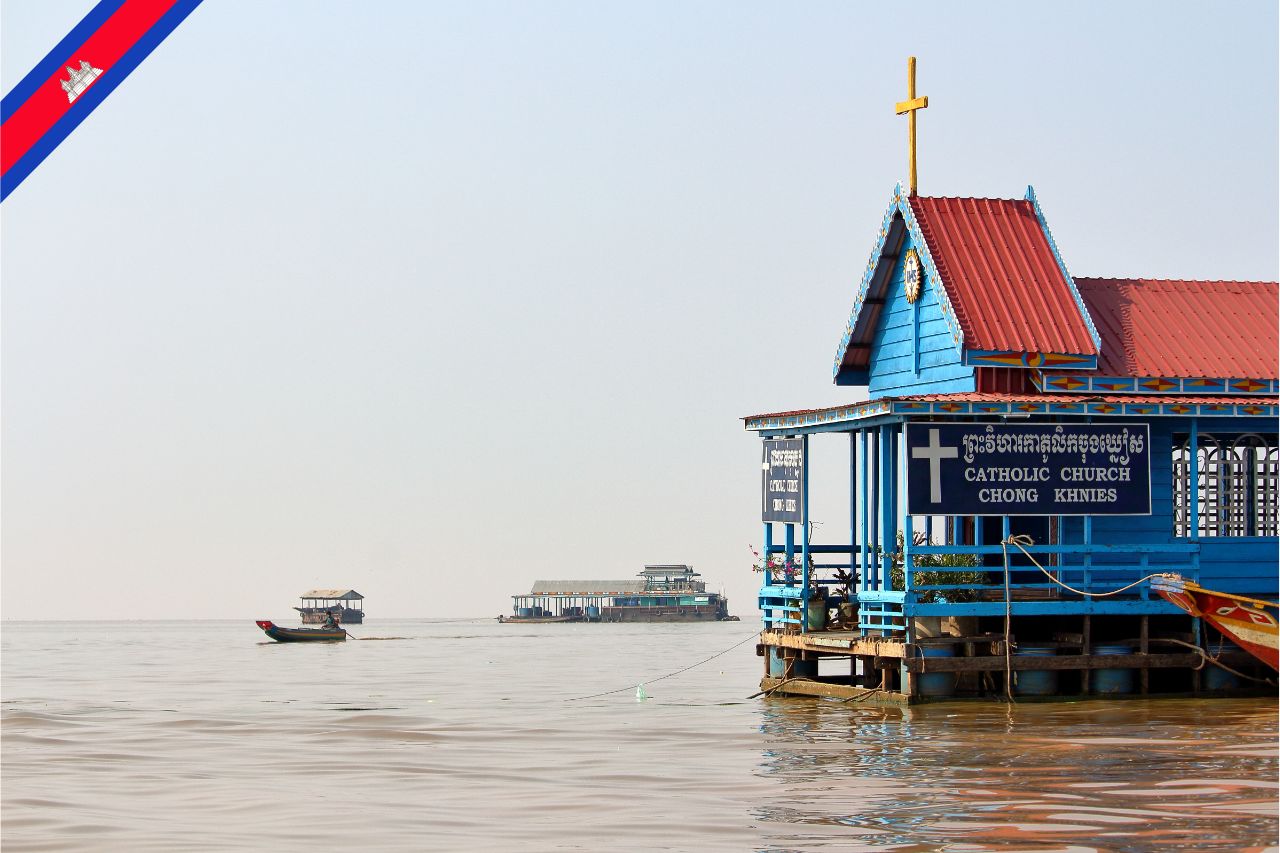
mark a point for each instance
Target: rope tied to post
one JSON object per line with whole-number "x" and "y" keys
{"x": 1019, "y": 540}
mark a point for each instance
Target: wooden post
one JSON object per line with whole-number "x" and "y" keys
{"x": 1197, "y": 637}
{"x": 907, "y": 678}
{"x": 1086, "y": 648}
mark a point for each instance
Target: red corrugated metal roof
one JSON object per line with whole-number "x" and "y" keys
{"x": 1001, "y": 276}
{"x": 1185, "y": 328}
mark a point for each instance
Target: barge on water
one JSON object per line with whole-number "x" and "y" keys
{"x": 1027, "y": 450}
{"x": 664, "y": 593}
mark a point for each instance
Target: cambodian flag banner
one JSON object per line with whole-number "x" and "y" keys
{"x": 76, "y": 76}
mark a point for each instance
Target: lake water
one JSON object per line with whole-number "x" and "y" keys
{"x": 465, "y": 736}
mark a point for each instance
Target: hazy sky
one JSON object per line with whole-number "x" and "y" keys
{"x": 436, "y": 299}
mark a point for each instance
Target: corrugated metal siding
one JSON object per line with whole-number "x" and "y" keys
{"x": 1215, "y": 329}
{"x": 1003, "y": 380}
{"x": 1001, "y": 275}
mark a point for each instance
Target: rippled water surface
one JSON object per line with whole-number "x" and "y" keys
{"x": 465, "y": 736}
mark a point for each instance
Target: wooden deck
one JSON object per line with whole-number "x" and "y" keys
{"x": 886, "y": 670}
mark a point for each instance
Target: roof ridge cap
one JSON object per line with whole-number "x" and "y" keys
{"x": 967, "y": 198}
{"x": 1151, "y": 280}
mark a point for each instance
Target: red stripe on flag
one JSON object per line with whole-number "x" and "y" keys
{"x": 103, "y": 49}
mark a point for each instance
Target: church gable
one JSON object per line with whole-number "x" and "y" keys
{"x": 914, "y": 349}
{"x": 898, "y": 233}
{"x": 997, "y": 288}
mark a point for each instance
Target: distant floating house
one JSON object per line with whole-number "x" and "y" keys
{"x": 1032, "y": 448}
{"x": 664, "y": 593}
{"x": 347, "y": 604}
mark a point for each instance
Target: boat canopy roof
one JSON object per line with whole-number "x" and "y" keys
{"x": 586, "y": 587}
{"x": 670, "y": 571}
{"x": 334, "y": 594}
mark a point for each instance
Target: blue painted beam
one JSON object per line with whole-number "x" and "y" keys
{"x": 822, "y": 549}
{"x": 1077, "y": 607}
{"x": 1099, "y": 548}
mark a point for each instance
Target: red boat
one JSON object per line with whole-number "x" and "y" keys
{"x": 1250, "y": 623}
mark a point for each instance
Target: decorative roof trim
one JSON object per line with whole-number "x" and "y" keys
{"x": 820, "y": 418}
{"x": 1050, "y": 383}
{"x": 899, "y": 205}
{"x": 931, "y": 269}
{"x": 1152, "y": 409}
{"x": 1057, "y": 256}
{"x": 1016, "y": 358}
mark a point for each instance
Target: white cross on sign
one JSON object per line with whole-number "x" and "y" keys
{"x": 935, "y": 453}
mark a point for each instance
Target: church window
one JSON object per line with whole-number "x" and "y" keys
{"x": 1237, "y": 488}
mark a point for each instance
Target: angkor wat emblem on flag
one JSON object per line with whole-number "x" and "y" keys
{"x": 79, "y": 81}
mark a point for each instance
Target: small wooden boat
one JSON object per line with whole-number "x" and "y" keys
{"x": 1250, "y": 623}
{"x": 301, "y": 635}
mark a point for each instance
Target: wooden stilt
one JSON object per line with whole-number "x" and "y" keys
{"x": 1086, "y": 648}
{"x": 1197, "y": 637}
{"x": 1144, "y": 674}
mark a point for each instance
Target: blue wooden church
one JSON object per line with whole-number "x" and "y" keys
{"x": 1030, "y": 449}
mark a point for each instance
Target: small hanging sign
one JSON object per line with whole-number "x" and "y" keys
{"x": 782, "y": 488}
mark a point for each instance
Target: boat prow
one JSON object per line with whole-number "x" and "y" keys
{"x": 301, "y": 635}
{"x": 1250, "y": 623}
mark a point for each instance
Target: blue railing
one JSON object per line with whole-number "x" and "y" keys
{"x": 1094, "y": 569}
{"x": 1088, "y": 568}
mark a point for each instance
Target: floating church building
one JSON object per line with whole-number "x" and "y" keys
{"x": 1033, "y": 448}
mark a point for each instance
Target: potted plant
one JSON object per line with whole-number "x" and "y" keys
{"x": 816, "y": 609}
{"x": 937, "y": 570}
{"x": 847, "y": 608}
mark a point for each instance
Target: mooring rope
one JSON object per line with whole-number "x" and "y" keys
{"x": 751, "y": 636}
{"x": 1008, "y": 618}
{"x": 1020, "y": 539}
{"x": 774, "y": 687}
{"x": 870, "y": 692}
{"x": 1205, "y": 657}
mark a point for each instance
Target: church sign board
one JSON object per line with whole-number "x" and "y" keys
{"x": 782, "y": 489}
{"x": 1028, "y": 469}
